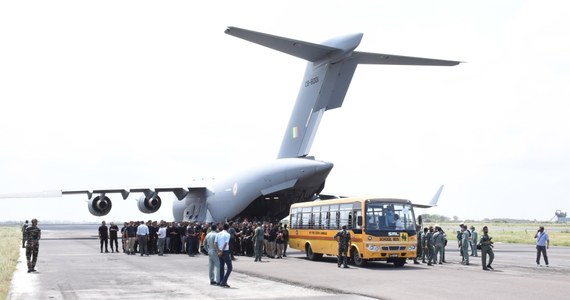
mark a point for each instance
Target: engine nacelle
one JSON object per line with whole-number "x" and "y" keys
{"x": 100, "y": 205}
{"x": 149, "y": 205}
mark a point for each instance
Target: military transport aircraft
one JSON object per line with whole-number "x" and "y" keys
{"x": 270, "y": 189}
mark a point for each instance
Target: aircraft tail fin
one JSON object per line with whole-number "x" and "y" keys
{"x": 329, "y": 71}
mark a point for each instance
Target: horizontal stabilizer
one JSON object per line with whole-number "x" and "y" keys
{"x": 433, "y": 201}
{"x": 307, "y": 51}
{"x": 389, "y": 59}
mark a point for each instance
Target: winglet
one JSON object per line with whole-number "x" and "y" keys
{"x": 433, "y": 201}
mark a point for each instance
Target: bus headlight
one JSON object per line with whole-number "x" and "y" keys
{"x": 373, "y": 248}
{"x": 412, "y": 248}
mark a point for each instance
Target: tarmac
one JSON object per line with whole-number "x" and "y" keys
{"x": 70, "y": 266}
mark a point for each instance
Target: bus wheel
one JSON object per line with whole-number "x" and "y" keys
{"x": 358, "y": 261}
{"x": 400, "y": 262}
{"x": 310, "y": 254}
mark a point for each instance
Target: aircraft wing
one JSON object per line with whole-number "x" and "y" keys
{"x": 389, "y": 59}
{"x": 179, "y": 192}
{"x": 433, "y": 201}
{"x": 44, "y": 194}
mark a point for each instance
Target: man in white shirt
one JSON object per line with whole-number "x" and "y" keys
{"x": 142, "y": 236}
{"x": 161, "y": 238}
{"x": 222, "y": 242}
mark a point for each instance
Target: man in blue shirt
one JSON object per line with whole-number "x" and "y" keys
{"x": 222, "y": 241}
{"x": 542, "y": 243}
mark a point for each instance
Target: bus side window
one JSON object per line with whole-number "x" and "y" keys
{"x": 350, "y": 225}
{"x": 293, "y": 220}
{"x": 357, "y": 219}
{"x": 337, "y": 220}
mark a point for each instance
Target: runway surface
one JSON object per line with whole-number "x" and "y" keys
{"x": 71, "y": 267}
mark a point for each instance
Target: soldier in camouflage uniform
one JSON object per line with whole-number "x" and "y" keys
{"x": 343, "y": 239}
{"x": 33, "y": 235}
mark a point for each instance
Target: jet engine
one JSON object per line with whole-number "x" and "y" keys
{"x": 100, "y": 205}
{"x": 149, "y": 204}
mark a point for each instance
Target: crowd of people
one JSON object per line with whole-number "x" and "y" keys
{"x": 432, "y": 241}
{"x": 244, "y": 238}
{"x": 153, "y": 237}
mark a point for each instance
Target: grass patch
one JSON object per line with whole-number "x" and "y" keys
{"x": 515, "y": 233}
{"x": 9, "y": 253}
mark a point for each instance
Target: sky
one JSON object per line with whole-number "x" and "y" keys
{"x": 124, "y": 94}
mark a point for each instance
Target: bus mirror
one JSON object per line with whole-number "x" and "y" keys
{"x": 359, "y": 221}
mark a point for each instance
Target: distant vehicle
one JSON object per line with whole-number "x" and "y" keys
{"x": 268, "y": 189}
{"x": 382, "y": 229}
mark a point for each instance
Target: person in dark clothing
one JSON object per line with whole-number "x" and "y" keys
{"x": 197, "y": 238}
{"x": 152, "y": 237}
{"x": 343, "y": 239}
{"x": 175, "y": 239}
{"x": 279, "y": 243}
{"x": 113, "y": 236}
{"x": 131, "y": 233}
{"x": 33, "y": 235}
{"x": 124, "y": 237}
{"x": 24, "y": 226}
{"x": 419, "y": 248}
{"x": 285, "y": 240}
{"x": 104, "y": 236}
{"x": 247, "y": 242}
{"x": 233, "y": 237}
{"x": 271, "y": 241}
{"x": 190, "y": 239}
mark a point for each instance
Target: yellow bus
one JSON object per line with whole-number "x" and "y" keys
{"x": 381, "y": 229}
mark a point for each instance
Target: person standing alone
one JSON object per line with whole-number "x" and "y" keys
{"x": 542, "y": 243}
{"x": 343, "y": 239}
{"x": 33, "y": 235}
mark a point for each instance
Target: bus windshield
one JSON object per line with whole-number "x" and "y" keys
{"x": 389, "y": 217}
